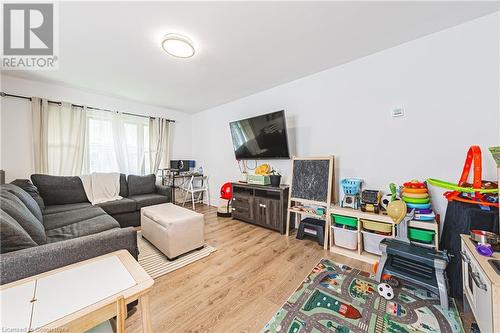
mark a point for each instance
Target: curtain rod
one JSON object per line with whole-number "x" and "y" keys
{"x": 3, "y": 94}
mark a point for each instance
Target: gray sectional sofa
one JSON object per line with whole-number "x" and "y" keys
{"x": 49, "y": 223}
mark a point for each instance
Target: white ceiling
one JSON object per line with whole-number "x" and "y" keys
{"x": 243, "y": 47}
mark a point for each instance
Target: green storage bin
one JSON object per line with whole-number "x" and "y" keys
{"x": 420, "y": 235}
{"x": 345, "y": 220}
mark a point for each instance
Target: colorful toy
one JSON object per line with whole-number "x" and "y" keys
{"x": 480, "y": 192}
{"x": 370, "y": 201}
{"x": 414, "y": 190}
{"x": 416, "y": 200}
{"x": 226, "y": 195}
{"x": 416, "y": 196}
{"x": 401, "y": 259}
{"x": 419, "y": 206}
{"x": 263, "y": 169}
{"x": 388, "y": 198}
{"x": 351, "y": 188}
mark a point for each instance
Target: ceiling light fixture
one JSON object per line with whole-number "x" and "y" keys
{"x": 178, "y": 46}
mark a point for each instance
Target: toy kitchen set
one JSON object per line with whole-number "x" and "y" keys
{"x": 480, "y": 254}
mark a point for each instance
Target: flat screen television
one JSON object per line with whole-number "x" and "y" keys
{"x": 261, "y": 137}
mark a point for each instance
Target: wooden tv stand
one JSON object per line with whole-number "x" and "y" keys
{"x": 262, "y": 205}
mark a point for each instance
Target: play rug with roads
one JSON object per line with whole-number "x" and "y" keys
{"x": 338, "y": 298}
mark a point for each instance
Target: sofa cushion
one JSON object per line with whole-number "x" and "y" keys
{"x": 124, "y": 205}
{"x": 144, "y": 200}
{"x": 141, "y": 184}
{"x": 31, "y": 189}
{"x": 59, "y": 190}
{"x": 123, "y": 186}
{"x": 85, "y": 227}
{"x": 60, "y": 219}
{"x": 26, "y": 199}
{"x": 13, "y": 236}
{"x": 63, "y": 208}
{"x": 13, "y": 206}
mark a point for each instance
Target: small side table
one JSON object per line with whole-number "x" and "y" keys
{"x": 78, "y": 297}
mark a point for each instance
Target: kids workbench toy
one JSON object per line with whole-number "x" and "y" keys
{"x": 418, "y": 265}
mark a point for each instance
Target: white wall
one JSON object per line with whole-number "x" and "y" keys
{"x": 16, "y": 130}
{"x": 448, "y": 83}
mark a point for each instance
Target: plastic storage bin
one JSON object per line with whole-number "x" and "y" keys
{"x": 420, "y": 235}
{"x": 345, "y": 238}
{"x": 345, "y": 220}
{"x": 377, "y": 226}
{"x": 371, "y": 242}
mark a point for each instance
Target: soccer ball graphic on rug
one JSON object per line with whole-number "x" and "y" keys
{"x": 385, "y": 291}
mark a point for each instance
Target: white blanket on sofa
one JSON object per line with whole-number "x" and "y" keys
{"x": 101, "y": 187}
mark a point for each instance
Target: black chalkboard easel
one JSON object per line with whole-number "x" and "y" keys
{"x": 312, "y": 184}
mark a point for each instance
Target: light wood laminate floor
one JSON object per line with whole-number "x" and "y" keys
{"x": 239, "y": 287}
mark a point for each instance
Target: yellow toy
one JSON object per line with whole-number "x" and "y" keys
{"x": 263, "y": 169}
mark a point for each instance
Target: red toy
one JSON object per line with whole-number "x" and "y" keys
{"x": 226, "y": 195}
{"x": 226, "y": 191}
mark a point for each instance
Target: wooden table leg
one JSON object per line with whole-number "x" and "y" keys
{"x": 146, "y": 317}
{"x": 121, "y": 314}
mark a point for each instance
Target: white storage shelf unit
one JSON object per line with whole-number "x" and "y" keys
{"x": 360, "y": 253}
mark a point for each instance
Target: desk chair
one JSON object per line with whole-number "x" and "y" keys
{"x": 197, "y": 185}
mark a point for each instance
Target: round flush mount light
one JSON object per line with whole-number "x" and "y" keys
{"x": 178, "y": 45}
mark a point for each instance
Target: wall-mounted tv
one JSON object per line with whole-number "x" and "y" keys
{"x": 261, "y": 137}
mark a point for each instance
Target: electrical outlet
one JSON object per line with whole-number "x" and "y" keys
{"x": 398, "y": 112}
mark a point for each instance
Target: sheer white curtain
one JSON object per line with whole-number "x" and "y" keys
{"x": 59, "y": 137}
{"x": 159, "y": 142}
{"x": 72, "y": 140}
{"x": 117, "y": 142}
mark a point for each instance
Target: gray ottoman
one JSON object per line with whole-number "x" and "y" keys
{"x": 172, "y": 229}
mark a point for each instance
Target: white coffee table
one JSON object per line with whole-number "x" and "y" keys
{"x": 77, "y": 297}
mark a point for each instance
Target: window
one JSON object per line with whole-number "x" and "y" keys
{"x": 117, "y": 142}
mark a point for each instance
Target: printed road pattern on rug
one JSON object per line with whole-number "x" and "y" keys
{"x": 156, "y": 264}
{"x": 338, "y": 298}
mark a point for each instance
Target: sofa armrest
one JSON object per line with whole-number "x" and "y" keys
{"x": 35, "y": 260}
{"x": 164, "y": 190}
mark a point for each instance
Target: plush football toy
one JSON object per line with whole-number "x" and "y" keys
{"x": 386, "y": 291}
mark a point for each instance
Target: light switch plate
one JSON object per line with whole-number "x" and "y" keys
{"x": 398, "y": 112}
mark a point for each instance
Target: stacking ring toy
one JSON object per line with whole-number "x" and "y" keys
{"x": 414, "y": 184}
{"x": 416, "y": 195}
{"x": 423, "y": 211}
{"x": 419, "y": 206}
{"x": 414, "y": 190}
{"x": 415, "y": 200}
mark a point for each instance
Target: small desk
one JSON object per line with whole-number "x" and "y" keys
{"x": 77, "y": 297}
{"x": 170, "y": 178}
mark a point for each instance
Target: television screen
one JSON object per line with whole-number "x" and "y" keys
{"x": 261, "y": 137}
